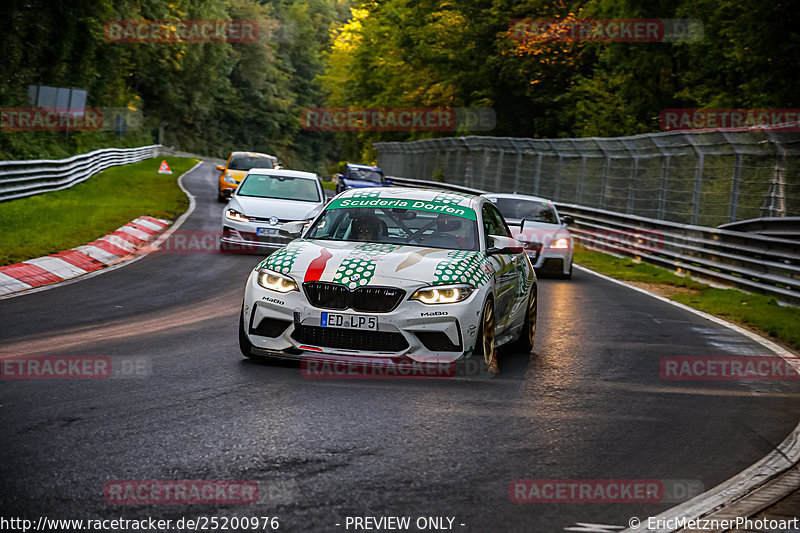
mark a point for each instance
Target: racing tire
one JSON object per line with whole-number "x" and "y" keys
{"x": 527, "y": 336}
{"x": 486, "y": 344}
{"x": 568, "y": 275}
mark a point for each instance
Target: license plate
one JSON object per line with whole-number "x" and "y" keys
{"x": 267, "y": 232}
{"x": 338, "y": 320}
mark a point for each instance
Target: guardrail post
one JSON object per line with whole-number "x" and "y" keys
{"x": 775, "y": 202}
{"x": 581, "y": 179}
{"x": 559, "y": 178}
{"x": 468, "y": 173}
{"x": 517, "y": 171}
{"x": 737, "y": 177}
{"x": 538, "y": 176}
{"x": 499, "y": 174}
{"x": 604, "y": 179}
{"x": 662, "y": 194}
{"x": 458, "y": 174}
{"x": 698, "y": 180}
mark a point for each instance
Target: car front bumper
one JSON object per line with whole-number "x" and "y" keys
{"x": 245, "y": 237}
{"x": 552, "y": 260}
{"x": 286, "y": 325}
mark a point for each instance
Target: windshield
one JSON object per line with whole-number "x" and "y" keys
{"x": 396, "y": 226}
{"x": 365, "y": 175}
{"x": 513, "y": 209}
{"x": 247, "y": 162}
{"x": 279, "y": 187}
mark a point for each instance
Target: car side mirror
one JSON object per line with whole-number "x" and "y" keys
{"x": 292, "y": 230}
{"x": 388, "y": 182}
{"x": 220, "y": 168}
{"x": 504, "y": 245}
{"x": 566, "y": 219}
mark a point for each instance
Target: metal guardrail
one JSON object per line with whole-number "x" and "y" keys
{"x": 19, "y": 179}
{"x": 751, "y": 262}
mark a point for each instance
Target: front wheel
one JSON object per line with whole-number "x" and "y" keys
{"x": 487, "y": 346}
{"x": 528, "y": 334}
{"x": 568, "y": 275}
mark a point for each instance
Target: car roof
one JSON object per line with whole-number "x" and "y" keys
{"x": 358, "y": 165}
{"x": 284, "y": 172}
{"x": 252, "y": 154}
{"x": 518, "y": 197}
{"x": 414, "y": 193}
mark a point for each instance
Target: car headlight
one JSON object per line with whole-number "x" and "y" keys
{"x": 233, "y": 214}
{"x": 443, "y": 294}
{"x": 229, "y": 179}
{"x": 276, "y": 282}
{"x": 561, "y": 243}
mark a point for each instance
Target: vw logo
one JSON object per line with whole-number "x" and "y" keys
{"x": 273, "y": 221}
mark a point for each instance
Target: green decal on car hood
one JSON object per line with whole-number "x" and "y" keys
{"x": 359, "y": 264}
{"x": 462, "y": 267}
{"x": 445, "y": 205}
{"x": 283, "y": 260}
{"x": 357, "y": 269}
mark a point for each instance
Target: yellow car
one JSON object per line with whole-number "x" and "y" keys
{"x": 237, "y": 166}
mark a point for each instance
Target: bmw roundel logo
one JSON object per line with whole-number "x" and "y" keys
{"x": 355, "y": 277}
{"x": 273, "y": 221}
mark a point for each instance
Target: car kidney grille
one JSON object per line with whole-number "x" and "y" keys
{"x": 364, "y": 299}
{"x": 350, "y": 339}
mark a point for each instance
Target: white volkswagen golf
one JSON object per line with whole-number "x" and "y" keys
{"x": 395, "y": 274}
{"x": 266, "y": 199}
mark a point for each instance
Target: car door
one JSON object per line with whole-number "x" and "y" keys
{"x": 505, "y": 265}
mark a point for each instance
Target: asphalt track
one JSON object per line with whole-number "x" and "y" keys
{"x": 588, "y": 404}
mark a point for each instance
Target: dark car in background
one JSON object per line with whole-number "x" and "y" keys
{"x": 359, "y": 176}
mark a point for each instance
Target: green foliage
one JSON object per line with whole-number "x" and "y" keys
{"x": 443, "y": 53}
{"x": 215, "y": 97}
{"x": 210, "y": 98}
{"x": 78, "y": 215}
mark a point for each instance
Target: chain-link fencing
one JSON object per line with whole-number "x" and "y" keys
{"x": 704, "y": 178}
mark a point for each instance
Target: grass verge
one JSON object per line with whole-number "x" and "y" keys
{"x": 759, "y": 313}
{"x": 51, "y": 222}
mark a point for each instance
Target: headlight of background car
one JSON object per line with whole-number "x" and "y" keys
{"x": 276, "y": 282}
{"x": 443, "y": 294}
{"x": 561, "y": 243}
{"x": 233, "y": 214}
{"x": 229, "y": 179}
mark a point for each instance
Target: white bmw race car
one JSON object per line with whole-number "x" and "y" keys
{"x": 393, "y": 274}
